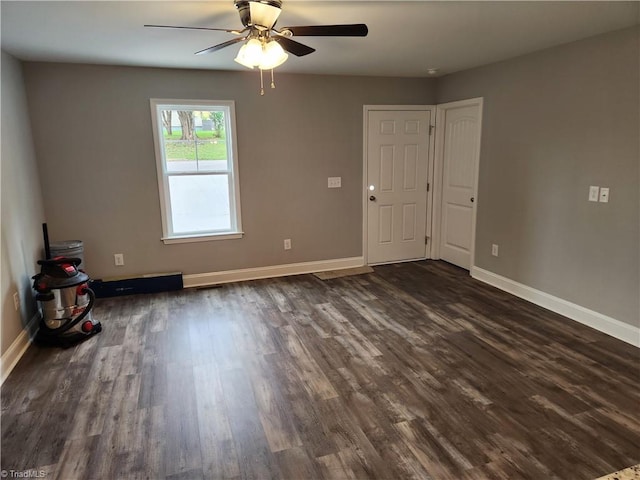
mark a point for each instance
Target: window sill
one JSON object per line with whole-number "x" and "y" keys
{"x": 202, "y": 238}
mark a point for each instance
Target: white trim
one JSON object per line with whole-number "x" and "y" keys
{"x": 365, "y": 142}
{"x": 438, "y": 173}
{"x": 402, "y": 108}
{"x": 430, "y": 180}
{"x": 620, "y": 330}
{"x": 201, "y": 238}
{"x": 365, "y": 154}
{"x": 16, "y": 350}
{"x": 214, "y": 278}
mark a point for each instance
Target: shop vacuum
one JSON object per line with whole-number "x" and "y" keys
{"x": 65, "y": 301}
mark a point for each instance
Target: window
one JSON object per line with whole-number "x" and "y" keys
{"x": 197, "y": 165}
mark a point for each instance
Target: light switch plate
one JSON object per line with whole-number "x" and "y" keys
{"x": 604, "y": 194}
{"x": 334, "y": 182}
{"x": 593, "y": 193}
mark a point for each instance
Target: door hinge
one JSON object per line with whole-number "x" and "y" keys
{"x": 431, "y": 128}
{"x": 428, "y": 186}
{"x": 426, "y": 240}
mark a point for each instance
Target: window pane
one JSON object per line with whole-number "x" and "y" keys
{"x": 211, "y": 154}
{"x": 211, "y": 137}
{"x": 194, "y": 140}
{"x": 199, "y": 203}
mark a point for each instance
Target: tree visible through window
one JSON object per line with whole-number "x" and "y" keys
{"x": 197, "y": 168}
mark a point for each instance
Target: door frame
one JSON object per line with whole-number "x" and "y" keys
{"x": 438, "y": 171}
{"x": 365, "y": 156}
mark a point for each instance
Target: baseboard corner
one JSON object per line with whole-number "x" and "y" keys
{"x": 16, "y": 350}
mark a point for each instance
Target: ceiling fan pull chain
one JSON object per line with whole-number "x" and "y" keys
{"x": 261, "y": 84}
{"x": 273, "y": 84}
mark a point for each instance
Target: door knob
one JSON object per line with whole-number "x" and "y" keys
{"x": 472, "y": 199}
{"x": 372, "y": 198}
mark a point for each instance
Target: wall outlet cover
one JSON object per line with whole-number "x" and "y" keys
{"x": 604, "y": 194}
{"x": 334, "y": 182}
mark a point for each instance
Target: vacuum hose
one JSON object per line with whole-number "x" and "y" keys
{"x": 78, "y": 319}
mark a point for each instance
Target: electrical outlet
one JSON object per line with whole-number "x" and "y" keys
{"x": 287, "y": 244}
{"x": 16, "y": 301}
{"x": 118, "y": 259}
{"x": 604, "y": 194}
{"x": 494, "y": 250}
{"x": 593, "y": 193}
{"x": 334, "y": 182}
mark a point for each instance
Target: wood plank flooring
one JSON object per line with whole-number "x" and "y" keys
{"x": 415, "y": 371}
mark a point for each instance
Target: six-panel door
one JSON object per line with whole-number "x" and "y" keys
{"x": 397, "y": 148}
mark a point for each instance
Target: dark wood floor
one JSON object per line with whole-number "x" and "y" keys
{"x": 414, "y": 371}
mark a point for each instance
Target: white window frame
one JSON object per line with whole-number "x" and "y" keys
{"x": 235, "y": 231}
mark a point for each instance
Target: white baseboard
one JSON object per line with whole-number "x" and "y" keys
{"x": 620, "y": 330}
{"x": 215, "y": 278}
{"x": 15, "y": 351}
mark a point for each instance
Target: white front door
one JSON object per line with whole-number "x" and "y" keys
{"x": 397, "y": 159}
{"x": 458, "y": 150}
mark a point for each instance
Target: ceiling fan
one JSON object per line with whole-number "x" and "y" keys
{"x": 266, "y": 44}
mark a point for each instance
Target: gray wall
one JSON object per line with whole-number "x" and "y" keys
{"x": 92, "y": 131}
{"x": 22, "y": 209}
{"x": 556, "y": 122}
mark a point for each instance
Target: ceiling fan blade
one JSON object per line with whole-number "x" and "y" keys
{"x": 291, "y": 46}
{"x": 220, "y": 46}
{"x": 351, "y": 30}
{"x": 235, "y": 32}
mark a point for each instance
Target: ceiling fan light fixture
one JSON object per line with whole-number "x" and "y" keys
{"x": 250, "y": 54}
{"x": 273, "y": 55}
{"x": 240, "y": 58}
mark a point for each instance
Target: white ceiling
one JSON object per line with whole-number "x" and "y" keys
{"x": 406, "y": 38}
